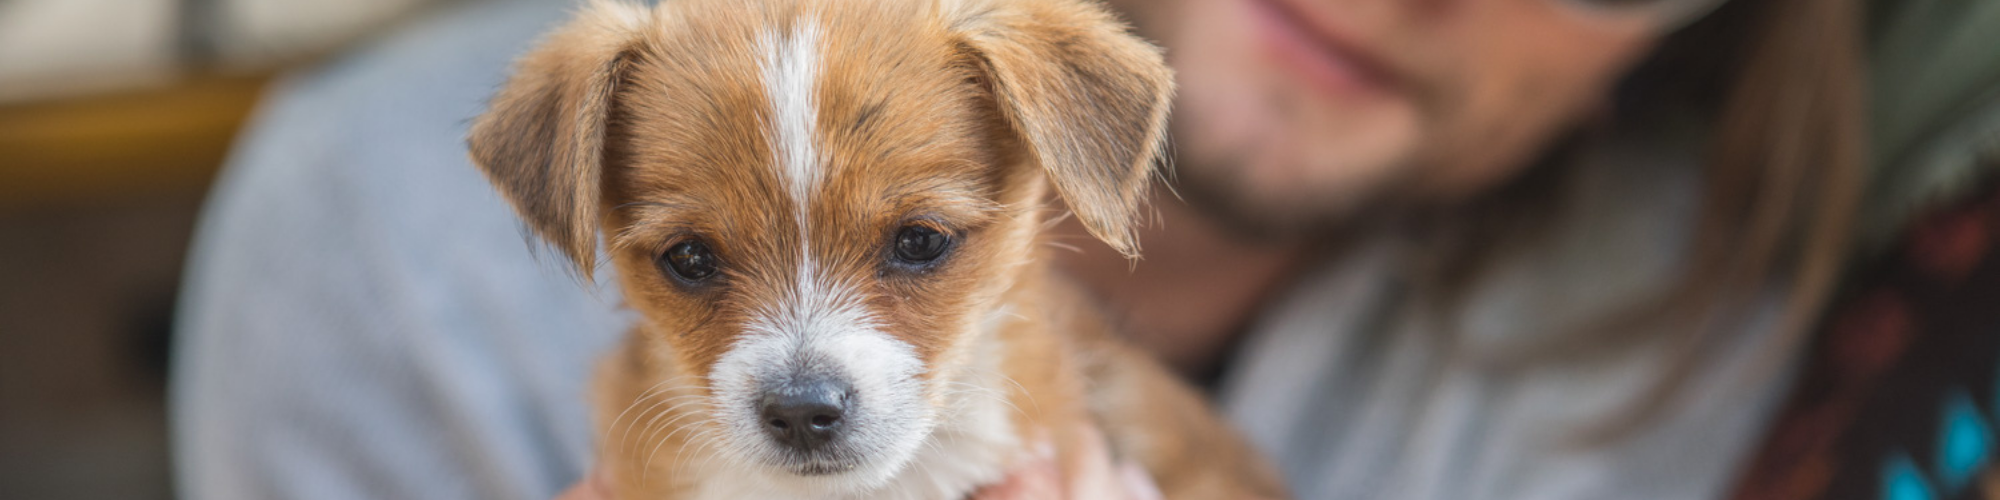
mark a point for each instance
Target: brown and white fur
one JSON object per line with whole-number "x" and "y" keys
{"x": 796, "y": 141}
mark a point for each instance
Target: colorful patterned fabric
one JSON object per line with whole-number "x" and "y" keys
{"x": 1900, "y": 399}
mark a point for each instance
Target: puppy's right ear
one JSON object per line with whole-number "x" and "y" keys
{"x": 541, "y": 140}
{"x": 1087, "y": 97}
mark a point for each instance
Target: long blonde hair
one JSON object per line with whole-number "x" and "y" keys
{"x": 1782, "y": 82}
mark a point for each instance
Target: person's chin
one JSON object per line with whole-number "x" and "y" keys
{"x": 1278, "y": 212}
{"x": 1290, "y": 180}
{"x": 1274, "y": 161}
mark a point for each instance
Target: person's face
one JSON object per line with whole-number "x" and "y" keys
{"x": 1292, "y": 113}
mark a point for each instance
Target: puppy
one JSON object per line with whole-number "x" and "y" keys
{"x": 827, "y": 215}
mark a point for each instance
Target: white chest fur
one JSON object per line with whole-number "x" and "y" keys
{"x": 972, "y": 446}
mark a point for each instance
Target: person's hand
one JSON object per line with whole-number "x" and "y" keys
{"x": 1097, "y": 477}
{"x": 593, "y": 487}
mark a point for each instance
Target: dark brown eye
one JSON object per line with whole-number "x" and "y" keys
{"x": 690, "y": 261}
{"x": 919, "y": 244}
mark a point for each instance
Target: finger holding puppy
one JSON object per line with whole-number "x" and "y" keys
{"x": 592, "y": 487}
{"x": 1096, "y": 476}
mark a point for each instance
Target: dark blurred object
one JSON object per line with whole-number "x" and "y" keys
{"x": 84, "y": 295}
{"x": 98, "y": 196}
{"x": 114, "y": 118}
{"x": 100, "y": 183}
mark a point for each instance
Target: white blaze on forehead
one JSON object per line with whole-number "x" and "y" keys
{"x": 819, "y": 322}
{"x": 791, "y": 71}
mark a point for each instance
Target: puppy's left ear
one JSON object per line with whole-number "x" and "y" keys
{"x": 1088, "y": 99}
{"x": 541, "y": 140}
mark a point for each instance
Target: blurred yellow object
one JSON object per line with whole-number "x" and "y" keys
{"x": 110, "y": 146}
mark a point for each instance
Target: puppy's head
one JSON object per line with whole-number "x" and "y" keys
{"x": 817, "y": 204}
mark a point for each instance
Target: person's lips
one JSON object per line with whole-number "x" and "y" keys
{"x": 1319, "y": 53}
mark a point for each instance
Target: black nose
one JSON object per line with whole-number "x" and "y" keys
{"x": 806, "y": 414}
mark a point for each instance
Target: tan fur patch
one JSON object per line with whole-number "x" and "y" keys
{"x": 796, "y": 139}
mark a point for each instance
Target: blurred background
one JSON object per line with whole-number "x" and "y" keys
{"x": 114, "y": 116}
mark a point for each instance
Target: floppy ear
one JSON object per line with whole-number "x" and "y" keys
{"x": 1087, "y": 98}
{"x": 541, "y": 140}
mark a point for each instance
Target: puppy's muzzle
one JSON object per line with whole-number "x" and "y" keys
{"x": 807, "y": 413}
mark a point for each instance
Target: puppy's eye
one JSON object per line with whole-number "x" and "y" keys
{"x": 689, "y": 260}
{"x": 919, "y": 244}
